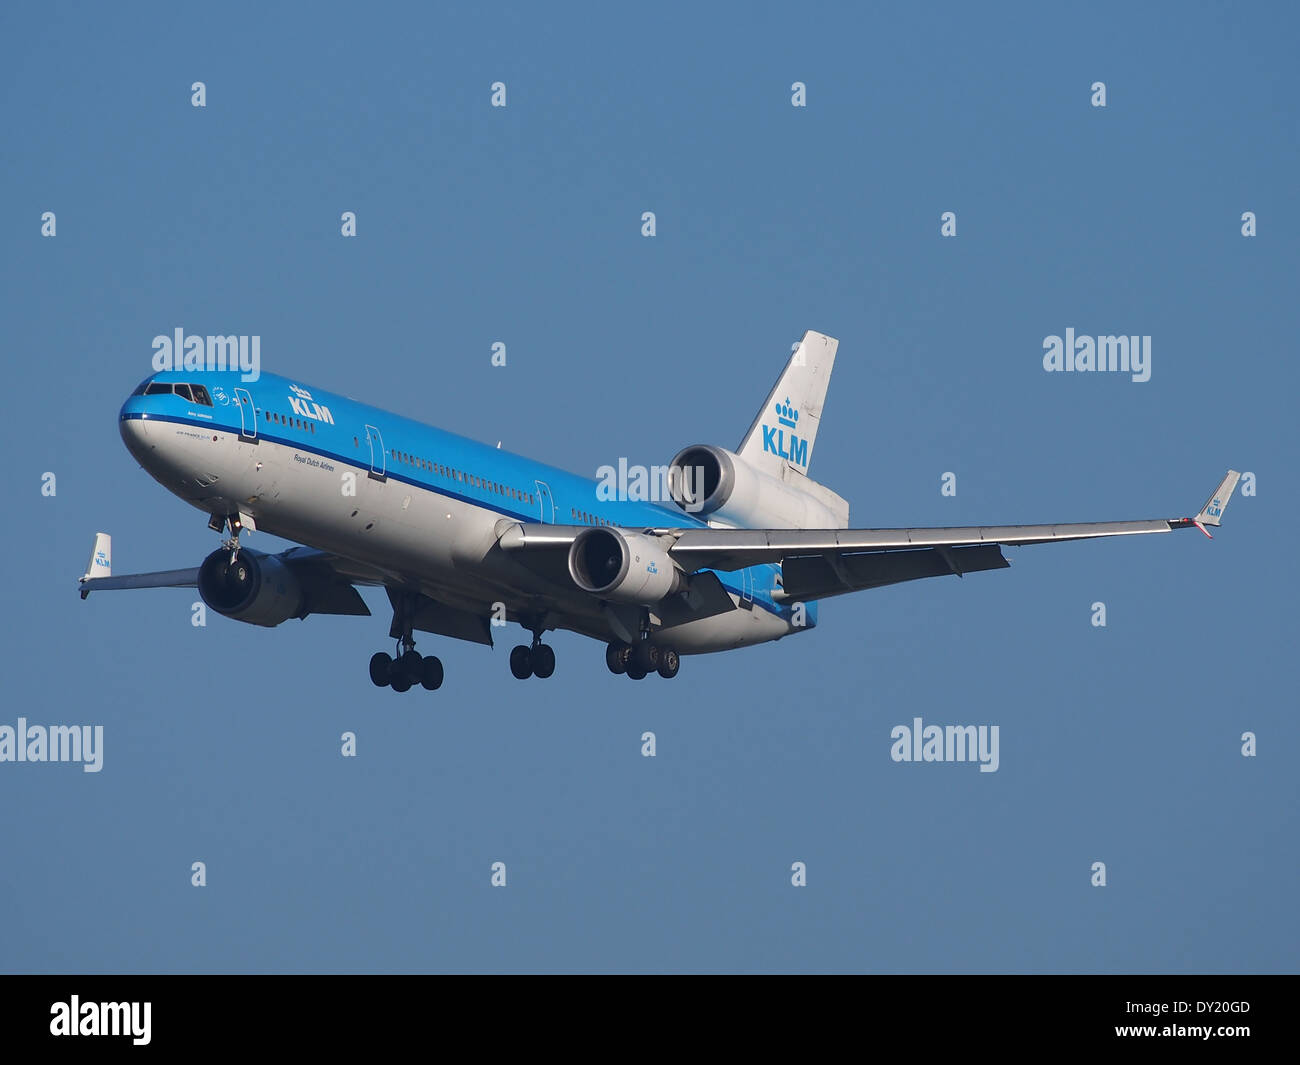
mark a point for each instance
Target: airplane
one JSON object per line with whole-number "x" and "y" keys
{"x": 465, "y": 537}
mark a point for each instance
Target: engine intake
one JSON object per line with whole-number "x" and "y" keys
{"x": 257, "y": 588}
{"x": 625, "y": 567}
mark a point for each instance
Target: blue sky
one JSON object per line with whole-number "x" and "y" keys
{"x": 523, "y": 225}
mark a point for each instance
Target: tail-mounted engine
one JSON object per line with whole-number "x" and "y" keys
{"x": 717, "y": 484}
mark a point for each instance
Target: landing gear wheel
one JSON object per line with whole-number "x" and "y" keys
{"x": 635, "y": 672}
{"x": 400, "y": 682}
{"x": 521, "y": 662}
{"x": 431, "y": 674}
{"x": 616, "y": 656}
{"x": 669, "y": 663}
{"x": 381, "y": 669}
{"x": 412, "y": 667}
{"x": 543, "y": 658}
{"x": 644, "y": 657}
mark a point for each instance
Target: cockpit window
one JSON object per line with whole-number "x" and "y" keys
{"x": 159, "y": 388}
{"x": 139, "y": 389}
{"x": 201, "y": 395}
{"x": 184, "y": 391}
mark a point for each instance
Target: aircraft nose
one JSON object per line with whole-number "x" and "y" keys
{"x": 135, "y": 429}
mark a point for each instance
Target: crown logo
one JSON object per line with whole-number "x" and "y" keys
{"x": 786, "y": 414}
{"x": 301, "y": 393}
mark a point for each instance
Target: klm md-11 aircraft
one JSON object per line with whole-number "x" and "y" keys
{"x": 461, "y": 534}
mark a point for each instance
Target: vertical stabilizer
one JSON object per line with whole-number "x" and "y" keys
{"x": 782, "y": 436}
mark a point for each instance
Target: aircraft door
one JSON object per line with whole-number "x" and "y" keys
{"x": 545, "y": 504}
{"x": 378, "y": 458}
{"x": 247, "y": 415}
{"x": 747, "y": 588}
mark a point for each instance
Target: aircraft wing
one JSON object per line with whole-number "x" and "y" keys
{"x": 816, "y": 563}
{"x": 327, "y": 580}
{"x": 168, "y": 578}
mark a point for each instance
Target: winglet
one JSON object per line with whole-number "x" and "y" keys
{"x": 1214, "y": 507}
{"x": 101, "y": 560}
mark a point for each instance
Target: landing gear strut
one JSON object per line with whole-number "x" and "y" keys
{"x": 219, "y": 523}
{"x": 406, "y": 668}
{"x": 537, "y": 660}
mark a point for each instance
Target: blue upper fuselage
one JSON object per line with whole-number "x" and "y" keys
{"x": 311, "y": 420}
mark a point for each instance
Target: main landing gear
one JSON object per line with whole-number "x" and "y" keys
{"x": 408, "y": 668}
{"x": 641, "y": 659}
{"x": 537, "y": 660}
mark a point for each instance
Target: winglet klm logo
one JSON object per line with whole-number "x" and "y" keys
{"x": 304, "y": 406}
{"x": 793, "y": 449}
{"x": 1215, "y": 509}
{"x": 101, "y": 559}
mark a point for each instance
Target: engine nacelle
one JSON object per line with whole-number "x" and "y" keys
{"x": 708, "y": 480}
{"x": 258, "y": 588}
{"x": 625, "y": 567}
